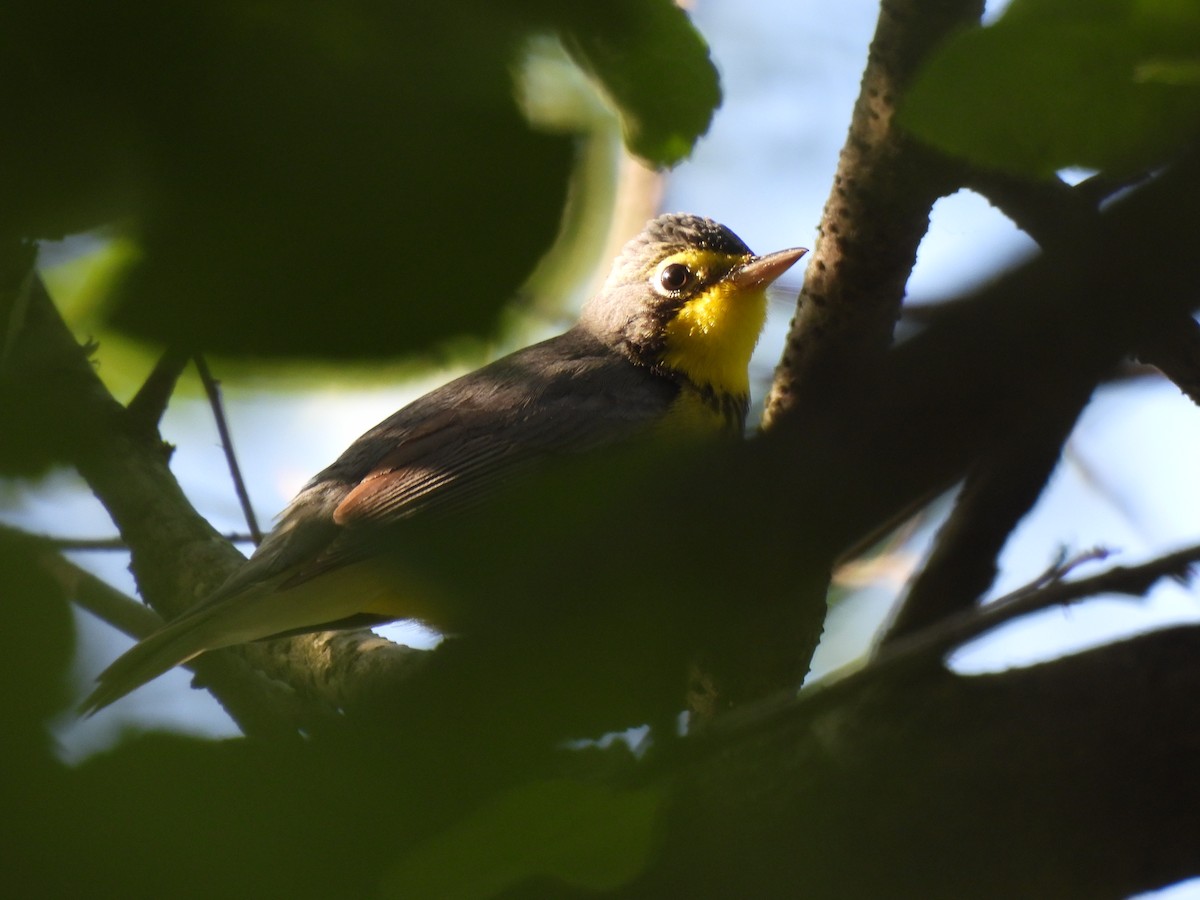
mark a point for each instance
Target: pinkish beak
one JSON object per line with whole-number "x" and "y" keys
{"x": 762, "y": 270}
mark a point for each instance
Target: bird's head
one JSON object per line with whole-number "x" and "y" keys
{"x": 688, "y": 296}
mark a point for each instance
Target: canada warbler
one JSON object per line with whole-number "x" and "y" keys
{"x": 666, "y": 342}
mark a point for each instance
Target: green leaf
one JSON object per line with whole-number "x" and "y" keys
{"x": 655, "y": 68}
{"x": 350, "y": 179}
{"x": 33, "y": 669}
{"x": 1048, "y": 87}
{"x": 585, "y": 835}
{"x": 1184, "y": 72}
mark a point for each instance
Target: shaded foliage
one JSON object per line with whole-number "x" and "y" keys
{"x": 1112, "y": 86}
{"x": 334, "y": 179}
{"x": 354, "y": 179}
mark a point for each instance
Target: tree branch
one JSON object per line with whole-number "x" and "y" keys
{"x": 177, "y": 557}
{"x": 100, "y": 598}
{"x": 115, "y": 543}
{"x": 269, "y": 710}
{"x": 1134, "y": 581}
{"x": 1051, "y": 212}
{"x": 1072, "y": 779}
{"x": 999, "y": 491}
{"x": 989, "y": 368}
{"x": 146, "y": 408}
{"x": 927, "y": 650}
{"x": 873, "y": 222}
{"x": 1004, "y": 486}
{"x": 1175, "y": 351}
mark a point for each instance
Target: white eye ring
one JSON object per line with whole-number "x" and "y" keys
{"x": 674, "y": 277}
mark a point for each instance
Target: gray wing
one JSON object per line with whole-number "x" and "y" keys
{"x": 448, "y": 448}
{"x": 441, "y": 452}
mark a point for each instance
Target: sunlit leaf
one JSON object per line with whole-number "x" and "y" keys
{"x": 1046, "y": 87}
{"x": 346, "y": 179}
{"x": 655, "y": 67}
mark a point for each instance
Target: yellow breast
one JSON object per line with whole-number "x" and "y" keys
{"x": 712, "y": 336}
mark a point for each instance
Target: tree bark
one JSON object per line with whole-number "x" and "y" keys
{"x": 1075, "y": 778}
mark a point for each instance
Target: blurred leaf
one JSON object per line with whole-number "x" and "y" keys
{"x": 1053, "y": 85}
{"x": 339, "y": 179}
{"x": 1164, "y": 71}
{"x": 586, "y": 835}
{"x": 35, "y": 434}
{"x": 342, "y": 180}
{"x": 81, "y": 284}
{"x": 656, "y": 69}
{"x": 169, "y": 816}
{"x": 81, "y": 288}
{"x": 1164, "y": 15}
{"x": 35, "y": 615}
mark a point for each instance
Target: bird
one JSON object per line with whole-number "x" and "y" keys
{"x": 663, "y": 347}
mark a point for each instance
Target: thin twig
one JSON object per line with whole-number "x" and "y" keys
{"x": 1058, "y": 570}
{"x": 102, "y": 599}
{"x": 118, "y": 543}
{"x": 934, "y": 644}
{"x": 366, "y": 663}
{"x": 1104, "y": 186}
{"x": 957, "y": 630}
{"x": 176, "y": 556}
{"x": 239, "y": 485}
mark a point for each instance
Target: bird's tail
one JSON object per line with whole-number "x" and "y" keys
{"x": 349, "y": 597}
{"x": 172, "y": 645}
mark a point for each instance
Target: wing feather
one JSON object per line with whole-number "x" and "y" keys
{"x": 447, "y": 450}
{"x": 443, "y": 452}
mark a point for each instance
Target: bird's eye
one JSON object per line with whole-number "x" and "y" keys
{"x": 674, "y": 277}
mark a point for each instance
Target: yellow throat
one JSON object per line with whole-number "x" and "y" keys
{"x": 711, "y": 338}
